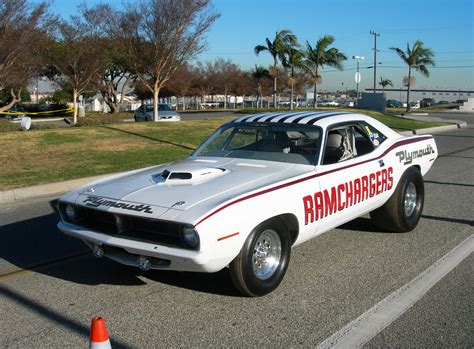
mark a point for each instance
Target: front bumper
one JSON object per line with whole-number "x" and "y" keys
{"x": 127, "y": 251}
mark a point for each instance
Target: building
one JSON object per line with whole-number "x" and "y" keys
{"x": 417, "y": 94}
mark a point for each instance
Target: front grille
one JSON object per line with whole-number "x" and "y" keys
{"x": 129, "y": 227}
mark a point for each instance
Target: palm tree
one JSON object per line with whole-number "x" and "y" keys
{"x": 258, "y": 75}
{"x": 318, "y": 57}
{"x": 284, "y": 40}
{"x": 294, "y": 61}
{"x": 417, "y": 57}
{"x": 385, "y": 82}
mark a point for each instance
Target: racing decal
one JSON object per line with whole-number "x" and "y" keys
{"x": 344, "y": 195}
{"x": 95, "y": 201}
{"x": 408, "y": 156}
{"x": 300, "y": 180}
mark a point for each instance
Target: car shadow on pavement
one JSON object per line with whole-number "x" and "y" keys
{"x": 37, "y": 245}
{"x": 218, "y": 283}
{"x": 361, "y": 224}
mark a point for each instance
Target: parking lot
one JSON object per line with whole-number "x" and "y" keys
{"x": 51, "y": 286}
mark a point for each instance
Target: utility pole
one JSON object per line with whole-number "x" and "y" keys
{"x": 357, "y": 75}
{"x": 375, "y": 57}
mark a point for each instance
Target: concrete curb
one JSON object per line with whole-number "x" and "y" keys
{"x": 42, "y": 190}
{"x": 57, "y": 188}
{"x": 437, "y": 129}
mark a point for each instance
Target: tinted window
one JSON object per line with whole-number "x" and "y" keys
{"x": 273, "y": 142}
{"x": 161, "y": 107}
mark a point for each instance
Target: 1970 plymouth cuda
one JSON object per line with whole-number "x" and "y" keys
{"x": 258, "y": 186}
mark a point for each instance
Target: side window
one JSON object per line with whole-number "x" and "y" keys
{"x": 349, "y": 141}
{"x": 340, "y": 144}
{"x": 375, "y": 136}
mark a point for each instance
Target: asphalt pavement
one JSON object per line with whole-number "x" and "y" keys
{"x": 51, "y": 286}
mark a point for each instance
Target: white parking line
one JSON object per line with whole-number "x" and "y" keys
{"x": 368, "y": 325}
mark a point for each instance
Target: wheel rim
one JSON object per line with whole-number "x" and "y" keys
{"x": 410, "y": 199}
{"x": 266, "y": 254}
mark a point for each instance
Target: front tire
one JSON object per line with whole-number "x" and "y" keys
{"x": 402, "y": 211}
{"x": 263, "y": 260}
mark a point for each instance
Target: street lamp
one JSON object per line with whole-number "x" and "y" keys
{"x": 357, "y": 75}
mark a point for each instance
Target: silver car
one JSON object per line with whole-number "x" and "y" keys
{"x": 165, "y": 113}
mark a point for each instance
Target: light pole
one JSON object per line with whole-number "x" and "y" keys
{"x": 357, "y": 75}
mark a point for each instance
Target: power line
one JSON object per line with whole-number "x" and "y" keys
{"x": 457, "y": 27}
{"x": 396, "y": 67}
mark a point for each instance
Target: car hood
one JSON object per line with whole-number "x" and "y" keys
{"x": 184, "y": 184}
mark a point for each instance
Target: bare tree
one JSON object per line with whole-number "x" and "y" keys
{"x": 160, "y": 35}
{"x": 20, "y": 31}
{"x": 225, "y": 72}
{"x": 114, "y": 77}
{"x": 181, "y": 83}
{"x": 203, "y": 85}
{"x": 75, "y": 57}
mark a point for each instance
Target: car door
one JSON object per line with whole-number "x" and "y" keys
{"x": 352, "y": 176}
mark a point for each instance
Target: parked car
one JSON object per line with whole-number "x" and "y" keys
{"x": 347, "y": 104}
{"x": 328, "y": 103}
{"x": 427, "y": 102}
{"x": 258, "y": 186}
{"x": 393, "y": 103}
{"x": 165, "y": 113}
{"x": 15, "y": 113}
{"x": 415, "y": 105}
{"x": 443, "y": 102}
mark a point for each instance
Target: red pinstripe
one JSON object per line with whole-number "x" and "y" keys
{"x": 393, "y": 146}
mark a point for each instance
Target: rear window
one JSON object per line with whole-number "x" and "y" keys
{"x": 161, "y": 107}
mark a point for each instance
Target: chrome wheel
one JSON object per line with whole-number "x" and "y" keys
{"x": 410, "y": 199}
{"x": 266, "y": 254}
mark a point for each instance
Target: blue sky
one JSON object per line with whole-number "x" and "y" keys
{"x": 446, "y": 26}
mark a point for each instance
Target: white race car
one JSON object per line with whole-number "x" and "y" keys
{"x": 256, "y": 187}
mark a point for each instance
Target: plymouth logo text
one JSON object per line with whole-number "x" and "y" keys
{"x": 407, "y": 156}
{"x": 94, "y": 201}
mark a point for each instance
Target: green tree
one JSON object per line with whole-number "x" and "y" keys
{"x": 283, "y": 42}
{"x": 385, "y": 82}
{"x": 62, "y": 96}
{"x": 258, "y": 75}
{"x": 319, "y": 56}
{"x": 418, "y": 58}
{"x": 294, "y": 61}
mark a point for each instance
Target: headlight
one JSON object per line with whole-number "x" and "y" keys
{"x": 71, "y": 213}
{"x": 190, "y": 237}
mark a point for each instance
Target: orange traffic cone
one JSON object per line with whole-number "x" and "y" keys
{"x": 99, "y": 338}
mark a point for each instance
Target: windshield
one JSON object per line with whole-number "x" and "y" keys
{"x": 291, "y": 143}
{"x": 161, "y": 107}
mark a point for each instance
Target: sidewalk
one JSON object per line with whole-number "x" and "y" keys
{"x": 38, "y": 191}
{"x": 58, "y": 188}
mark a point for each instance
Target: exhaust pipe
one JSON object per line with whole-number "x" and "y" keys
{"x": 144, "y": 263}
{"x": 98, "y": 251}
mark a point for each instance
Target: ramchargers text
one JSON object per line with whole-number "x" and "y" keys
{"x": 344, "y": 195}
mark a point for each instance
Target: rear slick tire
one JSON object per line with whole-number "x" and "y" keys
{"x": 402, "y": 211}
{"x": 263, "y": 260}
